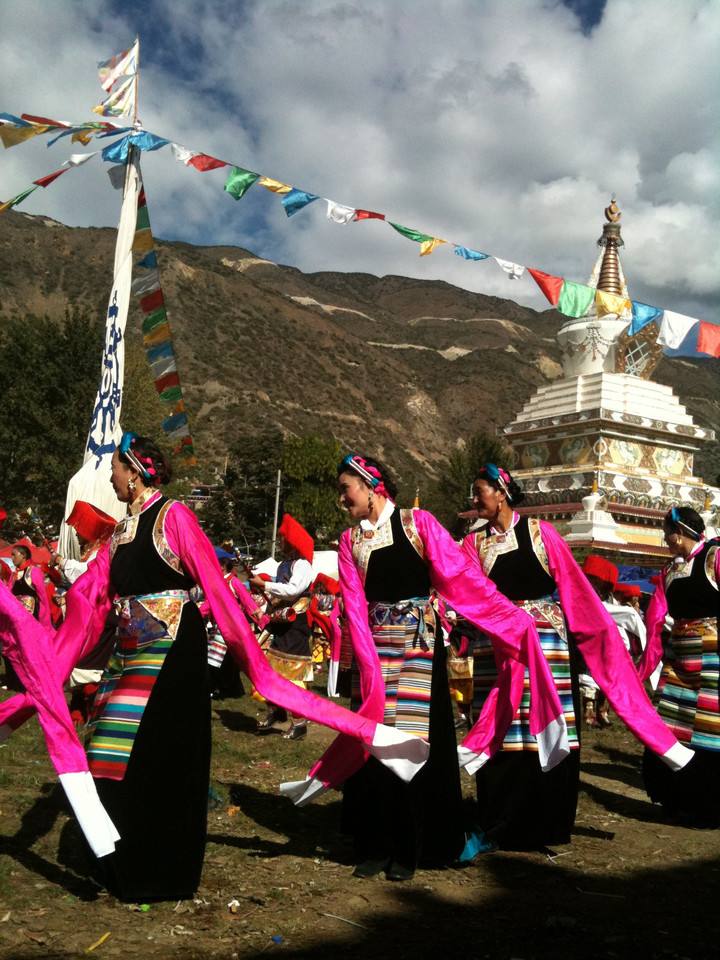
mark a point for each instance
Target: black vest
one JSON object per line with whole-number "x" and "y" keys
{"x": 694, "y": 597}
{"x": 396, "y": 572}
{"x": 137, "y": 567}
{"x": 519, "y": 574}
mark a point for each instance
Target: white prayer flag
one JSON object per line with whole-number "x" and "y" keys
{"x": 674, "y": 328}
{"x": 338, "y": 212}
{"x": 513, "y": 270}
{"x": 121, "y": 65}
{"x": 182, "y": 154}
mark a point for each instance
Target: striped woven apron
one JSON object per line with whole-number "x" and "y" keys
{"x": 404, "y": 636}
{"x": 552, "y": 632}
{"x": 146, "y": 631}
{"x": 688, "y": 688}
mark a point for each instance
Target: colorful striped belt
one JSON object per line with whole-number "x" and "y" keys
{"x": 381, "y": 612}
{"x": 122, "y": 604}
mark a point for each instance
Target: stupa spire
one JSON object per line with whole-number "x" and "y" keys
{"x": 610, "y": 277}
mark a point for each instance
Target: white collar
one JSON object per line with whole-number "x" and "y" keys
{"x": 387, "y": 512}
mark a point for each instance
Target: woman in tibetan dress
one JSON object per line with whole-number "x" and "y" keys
{"x": 687, "y": 694}
{"x": 389, "y": 566}
{"x": 149, "y": 753}
{"x": 520, "y": 807}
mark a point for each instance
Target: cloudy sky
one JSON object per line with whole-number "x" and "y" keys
{"x": 504, "y": 125}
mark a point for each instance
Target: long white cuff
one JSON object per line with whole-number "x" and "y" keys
{"x": 333, "y": 666}
{"x": 302, "y": 791}
{"x": 404, "y": 753}
{"x": 471, "y": 762}
{"x": 553, "y": 743}
{"x": 94, "y": 821}
{"x": 678, "y": 756}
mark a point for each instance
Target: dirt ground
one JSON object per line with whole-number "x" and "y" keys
{"x": 630, "y": 884}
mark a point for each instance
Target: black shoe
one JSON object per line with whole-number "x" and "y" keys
{"x": 298, "y": 731}
{"x": 396, "y": 871}
{"x": 369, "y": 868}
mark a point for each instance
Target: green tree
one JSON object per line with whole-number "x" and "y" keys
{"x": 310, "y": 483}
{"x": 451, "y": 493}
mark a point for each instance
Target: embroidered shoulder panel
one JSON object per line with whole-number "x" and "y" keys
{"x": 124, "y": 532}
{"x": 161, "y": 544}
{"x": 679, "y": 571}
{"x": 364, "y": 542}
{"x": 538, "y": 545}
{"x": 710, "y": 566}
{"x": 407, "y": 518}
{"x": 492, "y": 546}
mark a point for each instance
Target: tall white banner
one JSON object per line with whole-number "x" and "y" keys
{"x": 92, "y": 481}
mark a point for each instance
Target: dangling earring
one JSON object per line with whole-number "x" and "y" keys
{"x": 131, "y": 486}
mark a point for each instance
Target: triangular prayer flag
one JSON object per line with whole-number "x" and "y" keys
{"x": 642, "y": 315}
{"x": 575, "y": 299}
{"x": 339, "y": 213}
{"x": 81, "y": 136}
{"x": 368, "y": 215}
{"x": 46, "y": 181}
{"x": 121, "y": 65}
{"x": 182, "y": 153}
{"x": 675, "y": 328}
{"x": 117, "y": 152}
{"x": 513, "y": 270}
{"x": 709, "y": 338}
{"x": 12, "y": 135}
{"x": 606, "y": 303}
{"x": 202, "y": 162}
{"x": 18, "y": 199}
{"x": 296, "y": 200}
{"x": 427, "y": 246}
{"x": 120, "y": 103}
{"x": 410, "y": 233}
{"x": 147, "y": 141}
{"x": 274, "y": 185}
{"x": 239, "y": 182}
{"x": 551, "y": 286}
{"x": 77, "y": 159}
{"x": 467, "y": 254}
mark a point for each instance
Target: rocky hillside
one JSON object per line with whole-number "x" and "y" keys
{"x": 405, "y": 368}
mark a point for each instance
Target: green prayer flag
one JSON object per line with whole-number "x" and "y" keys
{"x": 410, "y": 234}
{"x": 575, "y": 299}
{"x": 154, "y": 319}
{"x": 171, "y": 394}
{"x": 143, "y": 218}
{"x": 239, "y": 182}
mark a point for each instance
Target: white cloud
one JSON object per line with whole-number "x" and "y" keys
{"x": 500, "y": 126}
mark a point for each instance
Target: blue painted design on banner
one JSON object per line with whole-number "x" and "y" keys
{"x": 109, "y": 396}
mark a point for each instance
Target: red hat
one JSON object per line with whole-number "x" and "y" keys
{"x": 628, "y": 589}
{"x": 90, "y": 523}
{"x": 601, "y": 568}
{"x": 5, "y": 572}
{"x": 323, "y": 580}
{"x": 3, "y": 516}
{"x": 297, "y": 537}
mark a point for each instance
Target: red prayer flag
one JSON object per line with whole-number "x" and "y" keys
{"x": 43, "y": 120}
{"x": 152, "y": 301}
{"x": 709, "y": 338}
{"x": 368, "y": 215}
{"x": 46, "y": 181}
{"x": 203, "y": 162}
{"x": 550, "y": 286}
{"x": 169, "y": 380}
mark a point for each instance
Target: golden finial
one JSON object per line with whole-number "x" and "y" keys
{"x": 612, "y": 213}
{"x": 416, "y": 503}
{"x": 595, "y": 487}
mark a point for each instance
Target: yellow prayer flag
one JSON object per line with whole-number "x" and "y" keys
{"x": 274, "y": 185}
{"x": 158, "y": 335}
{"x": 427, "y": 246}
{"x": 82, "y": 136}
{"x": 611, "y": 303}
{"x": 143, "y": 242}
{"x": 11, "y": 136}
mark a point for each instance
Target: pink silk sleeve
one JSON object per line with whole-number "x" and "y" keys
{"x": 602, "y": 647}
{"x": 87, "y": 605}
{"x": 43, "y": 600}
{"x": 245, "y": 599}
{"x": 29, "y": 647}
{"x": 344, "y": 754}
{"x": 654, "y": 622}
{"x": 196, "y": 554}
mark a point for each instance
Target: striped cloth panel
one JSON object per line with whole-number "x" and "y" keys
{"x": 550, "y": 627}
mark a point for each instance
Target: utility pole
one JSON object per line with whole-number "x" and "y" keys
{"x": 275, "y": 517}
